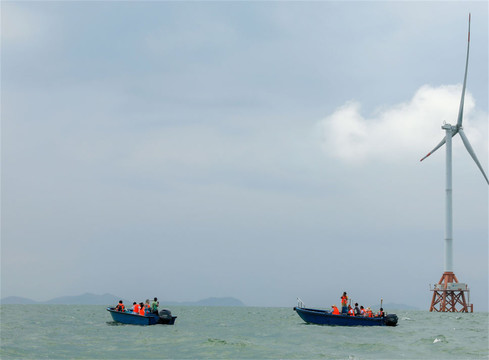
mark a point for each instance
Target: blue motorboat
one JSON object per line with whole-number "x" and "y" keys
{"x": 323, "y": 317}
{"x": 124, "y": 317}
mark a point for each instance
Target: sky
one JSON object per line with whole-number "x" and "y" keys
{"x": 259, "y": 150}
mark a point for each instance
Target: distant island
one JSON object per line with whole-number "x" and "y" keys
{"x": 109, "y": 299}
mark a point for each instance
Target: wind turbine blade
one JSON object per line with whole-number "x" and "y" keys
{"x": 472, "y": 153}
{"x": 436, "y": 148}
{"x": 461, "y": 108}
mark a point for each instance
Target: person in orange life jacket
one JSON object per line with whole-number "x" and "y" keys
{"x": 369, "y": 313}
{"x": 141, "y": 309}
{"x": 120, "y": 306}
{"x": 362, "y": 311}
{"x": 381, "y": 313}
{"x": 135, "y": 308}
{"x": 357, "y": 310}
{"x": 344, "y": 303}
{"x": 335, "y": 310}
{"x": 350, "y": 311}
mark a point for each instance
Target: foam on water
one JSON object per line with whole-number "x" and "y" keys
{"x": 439, "y": 338}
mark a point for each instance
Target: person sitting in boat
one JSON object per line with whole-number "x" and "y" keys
{"x": 135, "y": 308}
{"x": 357, "y": 310}
{"x": 120, "y": 306}
{"x": 335, "y": 310}
{"x": 381, "y": 313}
{"x": 369, "y": 312}
{"x": 141, "y": 309}
{"x": 154, "y": 306}
{"x": 362, "y": 311}
{"x": 344, "y": 303}
{"x": 351, "y": 312}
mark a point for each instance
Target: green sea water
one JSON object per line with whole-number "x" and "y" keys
{"x": 88, "y": 332}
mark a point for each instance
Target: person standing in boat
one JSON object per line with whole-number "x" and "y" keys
{"x": 357, "y": 310}
{"x": 154, "y": 306}
{"x": 344, "y": 303}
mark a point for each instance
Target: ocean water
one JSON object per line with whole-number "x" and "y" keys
{"x": 88, "y": 332}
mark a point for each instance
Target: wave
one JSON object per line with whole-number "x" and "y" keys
{"x": 219, "y": 342}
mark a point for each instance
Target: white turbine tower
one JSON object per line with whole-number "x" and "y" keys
{"x": 449, "y": 292}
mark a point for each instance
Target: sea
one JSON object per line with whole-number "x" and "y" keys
{"x": 88, "y": 332}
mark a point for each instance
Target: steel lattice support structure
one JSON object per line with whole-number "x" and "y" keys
{"x": 449, "y": 295}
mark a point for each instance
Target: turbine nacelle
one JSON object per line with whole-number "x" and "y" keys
{"x": 449, "y": 127}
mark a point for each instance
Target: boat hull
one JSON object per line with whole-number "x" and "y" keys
{"x": 322, "y": 317}
{"x": 134, "y": 319}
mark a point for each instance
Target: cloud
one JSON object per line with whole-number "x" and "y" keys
{"x": 410, "y": 128}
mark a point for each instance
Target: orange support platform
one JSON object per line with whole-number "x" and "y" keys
{"x": 449, "y": 295}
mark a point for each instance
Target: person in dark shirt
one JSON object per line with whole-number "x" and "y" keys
{"x": 120, "y": 306}
{"x": 356, "y": 310}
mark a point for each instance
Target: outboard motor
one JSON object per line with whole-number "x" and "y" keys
{"x": 165, "y": 316}
{"x": 390, "y": 320}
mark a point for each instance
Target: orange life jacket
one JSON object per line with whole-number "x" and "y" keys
{"x": 369, "y": 313}
{"x": 136, "y": 309}
{"x": 335, "y": 311}
{"x": 120, "y": 307}
{"x": 351, "y": 312}
{"x": 344, "y": 300}
{"x": 141, "y": 312}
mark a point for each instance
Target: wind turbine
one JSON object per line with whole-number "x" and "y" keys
{"x": 449, "y": 292}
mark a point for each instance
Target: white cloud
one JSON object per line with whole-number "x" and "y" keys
{"x": 410, "y": 128}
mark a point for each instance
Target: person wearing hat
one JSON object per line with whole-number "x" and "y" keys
{"x": 369, "y": 312}
{"x": 335, "y": 310}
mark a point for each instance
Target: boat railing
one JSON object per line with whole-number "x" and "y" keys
{"x": 300, "y": 303}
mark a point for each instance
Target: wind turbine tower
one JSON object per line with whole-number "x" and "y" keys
{"x": 448, "y": 293}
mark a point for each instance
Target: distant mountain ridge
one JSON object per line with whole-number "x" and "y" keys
{"x": 17, "y": 300}
{"x": 109, "y": 299}
{"x": 84, "y": 299}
